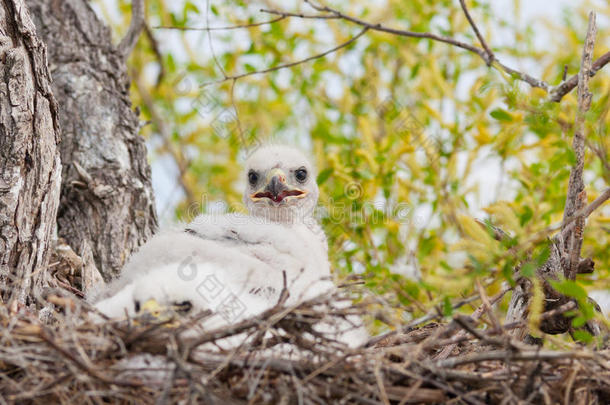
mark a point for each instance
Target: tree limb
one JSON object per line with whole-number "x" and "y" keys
{"x": 576, "y": 189}
{"x": 568, "y": 224}
{"x": 557, "y": 93}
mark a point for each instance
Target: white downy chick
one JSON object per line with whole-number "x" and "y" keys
{"x": 240, "y": 258}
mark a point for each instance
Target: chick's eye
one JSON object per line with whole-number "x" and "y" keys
{"x": 252, "y": 177}
{"x": 301, "y": 175}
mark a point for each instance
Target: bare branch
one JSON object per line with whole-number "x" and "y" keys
{"x": 568, "y": 225}
{"x": 524, "y": 77}
{"x": 135, "y": 27}
{"x": 395, "y": 31}
{"x": 291, "y": 64}
{"x": 286, "y": 14}
{"x": 225, "y": 28}
{"x": 486, "y": 54}
{"x": 576, "y": 188}
{"x": 154, "y": 45}
{"x": 557, "y": 93}
{"x": 489, "y": 54}
{"x": 533, "y": 355}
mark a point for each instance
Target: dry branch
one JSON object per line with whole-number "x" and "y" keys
{"x": 576, "y": 188}
{"x": 74, "y": 360}
{"x": 290, "y": 64}
{"x": 564, "y": 259}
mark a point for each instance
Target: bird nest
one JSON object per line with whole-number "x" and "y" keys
{"x": 73, "y": 358}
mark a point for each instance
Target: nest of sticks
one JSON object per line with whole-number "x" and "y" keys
{"x": 71, "y": 358}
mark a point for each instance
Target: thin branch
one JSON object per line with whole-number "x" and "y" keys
{"x": 485, "y": 53}
{"x": 135, "y": 27}
{"x": 524, "y": 77}
{"x": 557, "y": 93}
{"x": 286, "y": 14}
{"x": 210, "y": 43}
{"x": 576, "y": 187}
{"x": 489, "y": 54}
{"x": 584, "y": 212}
{"x": 224, "y": 28}
{"x": 154, "y": 45}
{"x": 291, "y": 64}
{"x": 431, "y": 315}
{"x": 503, "y": 355}
{"x": 395, "y": 31}
{"x": 82, "y": 365}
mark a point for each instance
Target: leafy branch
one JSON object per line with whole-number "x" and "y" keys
{"x": 556, "y": 93}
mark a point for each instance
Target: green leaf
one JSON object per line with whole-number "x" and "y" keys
{"x": 501, "y": 115}
{"x": 447, "y": 307}
{"x": 528, "y": 269}
{"x": 582, "y": 336}
{"x": 324, "y": 175}
{"x": 570, "y": 288}
{"x": 526, "y": 215}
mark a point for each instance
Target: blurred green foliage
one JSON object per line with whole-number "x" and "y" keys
{"x": 402, "y": 131}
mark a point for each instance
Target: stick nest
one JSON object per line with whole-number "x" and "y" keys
{"x": 70, "y": 358}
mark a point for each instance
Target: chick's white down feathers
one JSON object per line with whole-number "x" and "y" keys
{"x": 234, "y": 264}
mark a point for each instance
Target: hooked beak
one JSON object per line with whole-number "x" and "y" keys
{"x": 152, "y": 311}
{"x": 276, "y": 189}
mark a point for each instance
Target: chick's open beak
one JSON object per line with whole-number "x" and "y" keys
{"x": 277, "y": 189}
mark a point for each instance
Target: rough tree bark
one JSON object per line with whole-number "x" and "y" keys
{"x": 107, "y": 205}
{"x": 564, "y": 259}
{"x": 29, "y": 167}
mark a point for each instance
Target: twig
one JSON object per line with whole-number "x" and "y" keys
{"x": 154, "y": 45}
{"x": 503, "y": 355}
{"x": 285, "y": 293}
{"x": 225, "y": 28}
{"x": 489, "y": 54}
{"x": 433, "y": 314}
{"x": 289, "y": 65}
{"x": 557, "y": 93}
{"x": 210, "y": 43}
{"x": 381, "y": 28}
{"x": 94, "y": 373}
{"x": 584, "y": 212}
{"x": 576, "y": 188}
{"x": 485, "y": 53}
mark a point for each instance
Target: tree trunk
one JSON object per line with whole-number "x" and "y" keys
{"x": 30, "y": 167}
{"x": 107, "y": 204}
